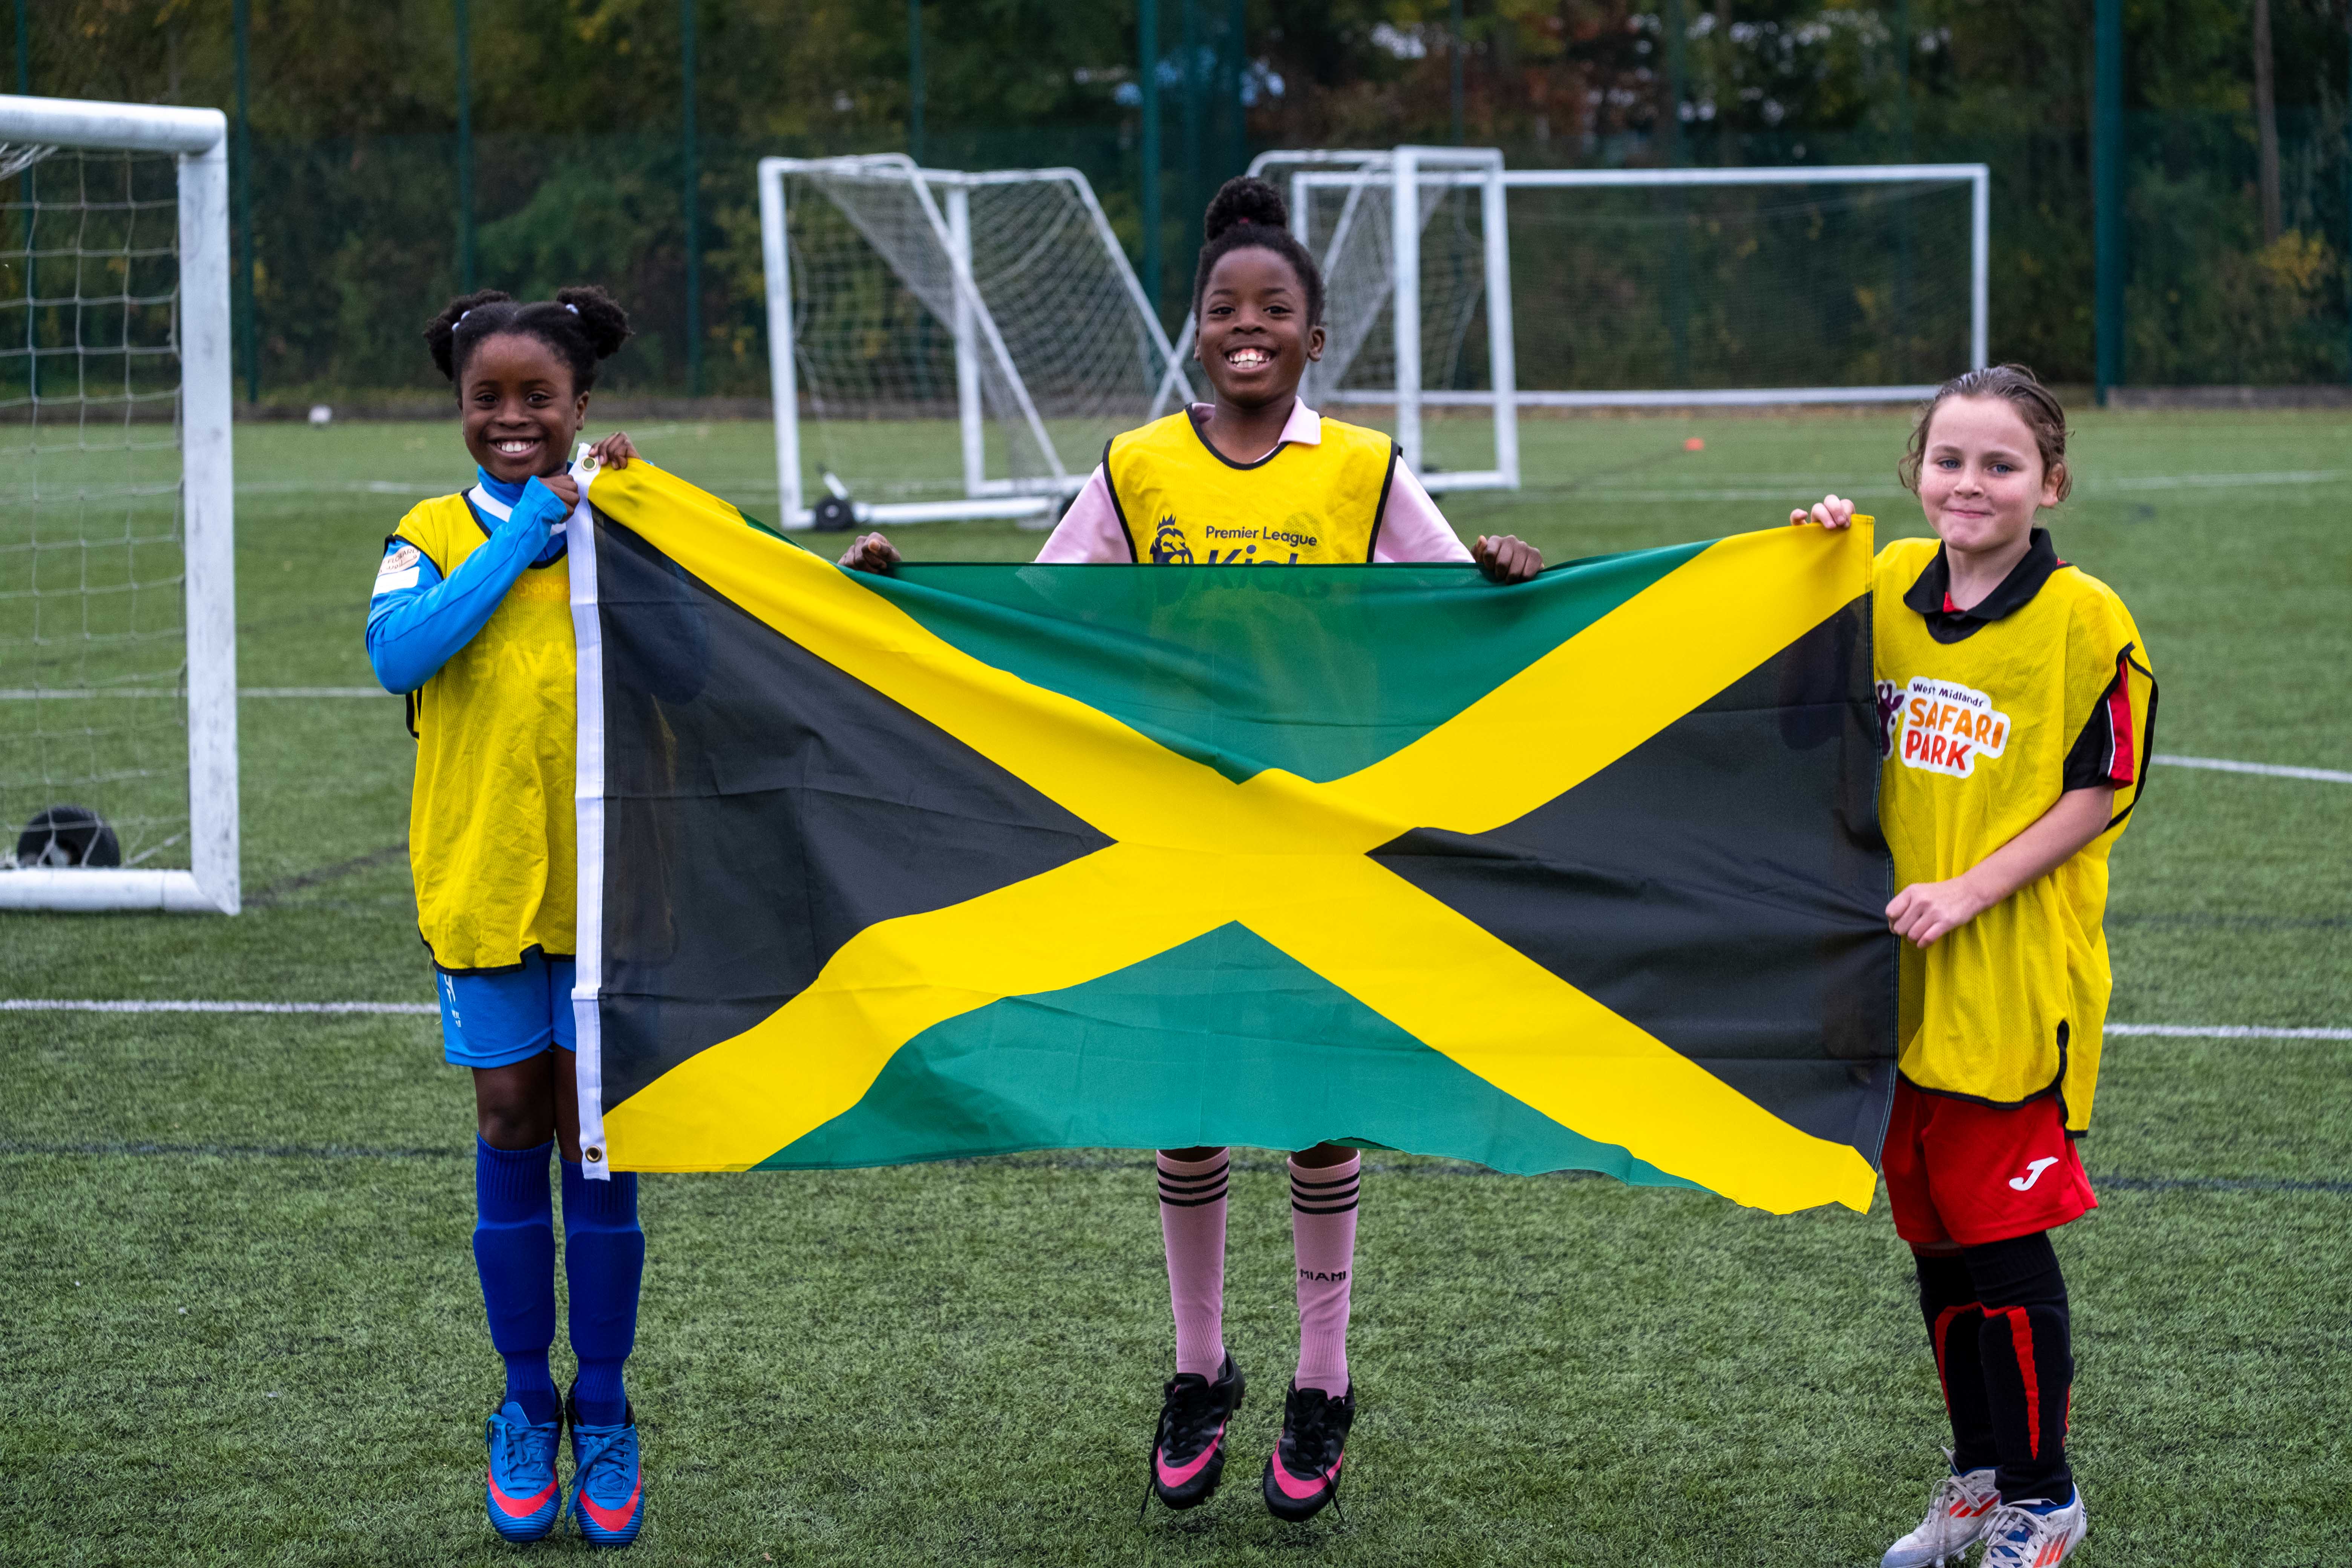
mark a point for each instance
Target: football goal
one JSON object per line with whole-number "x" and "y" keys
{"x": 948, "y": 345}
{"x": 1621, "y": 288}
{"x": 118, "y": 664}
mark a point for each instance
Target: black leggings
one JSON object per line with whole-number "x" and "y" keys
{"x": 1997, "y": 1318}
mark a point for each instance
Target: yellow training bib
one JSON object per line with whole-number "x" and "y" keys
{"x": 490, "y": 826}
{"x": 1184, "y": 504}
{"x": 1978, "y": 724}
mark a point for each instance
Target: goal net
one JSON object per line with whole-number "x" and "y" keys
{"x": 1863, "y": 283}
{"x": 948, "y": 345}
{"x": 118, "y": 721}
{"x": 1575, "y": 288}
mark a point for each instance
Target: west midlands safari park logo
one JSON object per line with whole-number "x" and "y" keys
{"x": 1940, "y": 725}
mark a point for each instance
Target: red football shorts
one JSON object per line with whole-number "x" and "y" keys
{"x": 1968, "y": 1174}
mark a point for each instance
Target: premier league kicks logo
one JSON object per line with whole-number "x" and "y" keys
{"x": 1168, "y": 546}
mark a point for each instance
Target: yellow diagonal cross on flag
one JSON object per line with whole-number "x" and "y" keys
{"x": 1285, "y": 857}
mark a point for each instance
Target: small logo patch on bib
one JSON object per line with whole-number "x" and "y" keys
{"x": 398, "y": 569}
{"x": 1947, "y": 726}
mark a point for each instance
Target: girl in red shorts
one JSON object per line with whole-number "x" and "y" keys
{"x": 2015, "y": 705}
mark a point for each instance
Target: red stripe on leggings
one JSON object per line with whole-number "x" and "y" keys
{"x": 2021, "y": 1337}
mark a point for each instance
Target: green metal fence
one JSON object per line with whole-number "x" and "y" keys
{"x": 356, "y": 242}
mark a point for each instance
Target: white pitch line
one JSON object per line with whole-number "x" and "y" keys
{"x": 314, "y": 691}
{"x": 2271, "y": 769}
{"x": 342, "y": 486}
{"x": 2226, "y": 1032}
{"x": 91, "y": 693}
{"x": 1759, "y": 487}
{"x": 46, "y": 1004}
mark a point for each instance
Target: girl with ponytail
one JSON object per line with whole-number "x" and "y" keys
{"x": 1255, "y": 478}
{"x": 471, "y": 619}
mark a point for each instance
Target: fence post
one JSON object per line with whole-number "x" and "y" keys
{"x": 2107, "y": 192}
{"x": 915, "y": 80}
{"x": 465, "y": 148}
{"x": 1454, "y": 67}
{"x": 1678, "y": 205}
{"x": 25, "y": 90}
{"x": 1192, "y": 86}
{"x": 1236, "y": 58}
{"x": 249, "y": 334}
{"x": 693, "y": 207}
{"x": 1147, "y": 33}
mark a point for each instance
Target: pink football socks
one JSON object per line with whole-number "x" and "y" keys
{"x": 1323, "y": 1234}
{"x": 1323, "y": 1237}
{"x": 1192, "y": 1222}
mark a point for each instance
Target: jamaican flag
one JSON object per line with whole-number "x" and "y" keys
{"x": 1584, "y": 873}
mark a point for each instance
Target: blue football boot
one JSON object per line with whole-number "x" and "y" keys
{"x": 608, "y": 1486}
{"x": 521, "y": 1494}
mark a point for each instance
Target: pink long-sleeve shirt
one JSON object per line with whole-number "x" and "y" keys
{"x": 1411, "y": 528}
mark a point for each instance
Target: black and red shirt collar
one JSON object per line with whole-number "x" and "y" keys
{"x": 1931, "y": 595}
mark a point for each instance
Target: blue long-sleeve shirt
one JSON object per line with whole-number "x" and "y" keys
{"x": 417, "y": 620}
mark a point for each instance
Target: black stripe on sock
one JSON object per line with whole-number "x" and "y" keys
{"x": 1298, "y": 1181}
{"x": 1325, "y": 1192}
{"x": 1192, "y": 1189}
{"x": 1318, "y": 1200}
{"x": 1216, "y": 1197}
{"x": 1170, "y": 1179}
{"x": 1298, "y": 1207}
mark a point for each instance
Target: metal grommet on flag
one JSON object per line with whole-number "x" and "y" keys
{"x": 596, "y": 1156}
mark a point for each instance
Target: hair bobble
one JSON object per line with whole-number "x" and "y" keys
{"x": 574, "y": 309}
{"x": 460, "y": 321}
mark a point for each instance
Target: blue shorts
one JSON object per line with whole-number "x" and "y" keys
{"x": 498, "y": 1020}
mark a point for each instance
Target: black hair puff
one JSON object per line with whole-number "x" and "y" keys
{"x": 1244, "y": 200}
{"x": 1245, "y": 212}
{"x": 583, "y": 324}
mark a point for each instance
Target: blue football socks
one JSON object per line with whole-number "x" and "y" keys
{"x": 603, "y": 1260}
{"x": 514, "y": 1250}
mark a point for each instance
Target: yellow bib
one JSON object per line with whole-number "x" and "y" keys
{"x": 490, "y": 826}
{"x": 1976, "y": 733}
{"x": 1183, "y": 504}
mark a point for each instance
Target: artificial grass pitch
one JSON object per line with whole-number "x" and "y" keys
{"x": 962, "y": 1362}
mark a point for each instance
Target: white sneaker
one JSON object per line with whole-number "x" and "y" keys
{"x": 2016, "y": 1536}
{"x": 1957, "y": 1511}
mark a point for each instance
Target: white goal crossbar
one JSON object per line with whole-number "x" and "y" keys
{"x": 981, "y": 347}
{"x": 198, "y": 139}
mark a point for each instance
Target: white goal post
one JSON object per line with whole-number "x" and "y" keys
{"x": 1372, "y": 256}
{"x": 1386, "y": 300}
{"x": 153, "y": 313}
{"x": 947, "y": 345}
